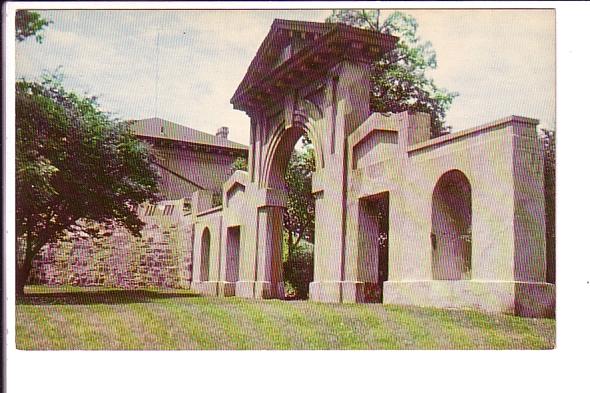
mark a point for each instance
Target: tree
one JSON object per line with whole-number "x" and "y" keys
{"x": 299, "y": 216}
{"x": 240, "y": 164}
{"x": 29, "y": 23}
{"x": 399, "y": 81}
{"x": 75, "y": 166}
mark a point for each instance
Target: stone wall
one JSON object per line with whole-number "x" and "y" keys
{"x": 161, "y": 257}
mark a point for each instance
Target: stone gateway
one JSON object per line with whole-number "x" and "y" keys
{"x": 465, "y": 211}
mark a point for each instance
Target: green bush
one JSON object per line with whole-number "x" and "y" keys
{"x": 298, "y": 273}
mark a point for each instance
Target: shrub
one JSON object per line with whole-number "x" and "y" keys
{"x": 298, "y": 273}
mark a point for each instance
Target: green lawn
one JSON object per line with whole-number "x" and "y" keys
{"x": 75, "y": 318}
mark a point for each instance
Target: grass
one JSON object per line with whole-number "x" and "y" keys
{"x": 103, "y": 318}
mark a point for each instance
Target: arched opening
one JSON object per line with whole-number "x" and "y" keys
{"x": 233, "y": 253}
{"x": 290, "y": 168}
{"x": 205, "y": 251}
{"x": 451, "y": 227}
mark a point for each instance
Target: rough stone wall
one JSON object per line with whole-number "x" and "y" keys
{"x": 161, "y": 257}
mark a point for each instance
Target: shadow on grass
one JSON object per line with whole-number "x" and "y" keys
{"x": 108, "y": 296}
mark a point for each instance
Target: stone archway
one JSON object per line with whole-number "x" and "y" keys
{"x": 295, "y": 264}
{"x": 321, "y": 91}
{"x": 314, "y": 78}
{"x": 279, "y": 156}
{"x": 451, "y": 227}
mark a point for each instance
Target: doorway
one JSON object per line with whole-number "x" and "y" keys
{"x": 373, "y": 252}
{"x": 233, "y": 254}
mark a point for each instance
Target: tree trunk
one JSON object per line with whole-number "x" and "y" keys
{"x": 289, "y": 245}
{"x": 23, "y": 271}
{"x": 22, "y": 274}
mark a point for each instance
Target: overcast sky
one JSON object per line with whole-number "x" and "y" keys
{"x": 501, "y": 62}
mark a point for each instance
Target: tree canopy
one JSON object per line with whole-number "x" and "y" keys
{"x": 74, "y": 165}
{"x": 29, "y": 23}
{"x": 399, "y": 80}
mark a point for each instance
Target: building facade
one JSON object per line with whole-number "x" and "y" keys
{"x": 188, "y": 160}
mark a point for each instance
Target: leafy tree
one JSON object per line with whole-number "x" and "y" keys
{"x": 29, "y": 23}
{"x": 299, "y": 216}
{"x": 240, "y": 164}
{"x": 75, "y": 166}
{"x": 399, "y": 81}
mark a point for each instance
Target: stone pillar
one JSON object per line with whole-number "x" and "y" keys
{"x": 347, "y": 106}
{"x": 269, "y": 258}
{"x": 261, "y": 240}
{"x": 201, "y": 200}
{"x": 226, "y": 288}
{"x": 415, "y": 129}
{"x": 533, "y": 295}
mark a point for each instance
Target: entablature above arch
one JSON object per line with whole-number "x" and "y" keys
{"x": 332, "y": 43}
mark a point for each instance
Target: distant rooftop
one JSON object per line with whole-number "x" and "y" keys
{"x": 155, "y": 127}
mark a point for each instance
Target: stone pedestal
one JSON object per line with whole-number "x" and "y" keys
{"x": 260, "y": 289}
{"x": 206, "y": 288}
{"x": 226, "y": 289}
{"x": 342, "y": 291}
{"x": 529, "y": 299}
{"x": 325, "y": 291}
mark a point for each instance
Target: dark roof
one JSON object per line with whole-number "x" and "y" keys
{"x": 274, "y": 42}
{"x": 322, "y": 44}
{"x": 155, "y": 127}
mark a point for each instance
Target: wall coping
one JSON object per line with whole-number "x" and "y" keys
{"x": 470, "y": 131}
{"x": 375, "y": 122}
{"x": 209, "y": 211}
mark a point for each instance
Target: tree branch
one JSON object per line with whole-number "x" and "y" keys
{"x": 300, "y": 235}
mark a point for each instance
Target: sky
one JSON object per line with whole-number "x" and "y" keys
{"x": 184, "y": 65}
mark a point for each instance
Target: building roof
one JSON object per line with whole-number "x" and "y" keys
{"x": 155, "y": 127}
{"x": 295, "y": 51}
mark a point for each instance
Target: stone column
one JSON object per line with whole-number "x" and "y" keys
{"x": 269, "y": 258}
{"x": 201, "y": 200}
{"x": 533, "y": 295}
{"x": 347, "y": 106}
{"x": 226, "y": 288}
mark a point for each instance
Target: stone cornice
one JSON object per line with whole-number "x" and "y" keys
{"x": 494, "y": 125}
{"x": 209, "y": 211}
{"x": 194, "y": 145}
{"x": 311, "y": 62}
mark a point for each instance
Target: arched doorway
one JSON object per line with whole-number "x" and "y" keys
{"x": 290, "y": 169}
{"x": 451, "y": 227}
{"x": 205, "y": 252}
